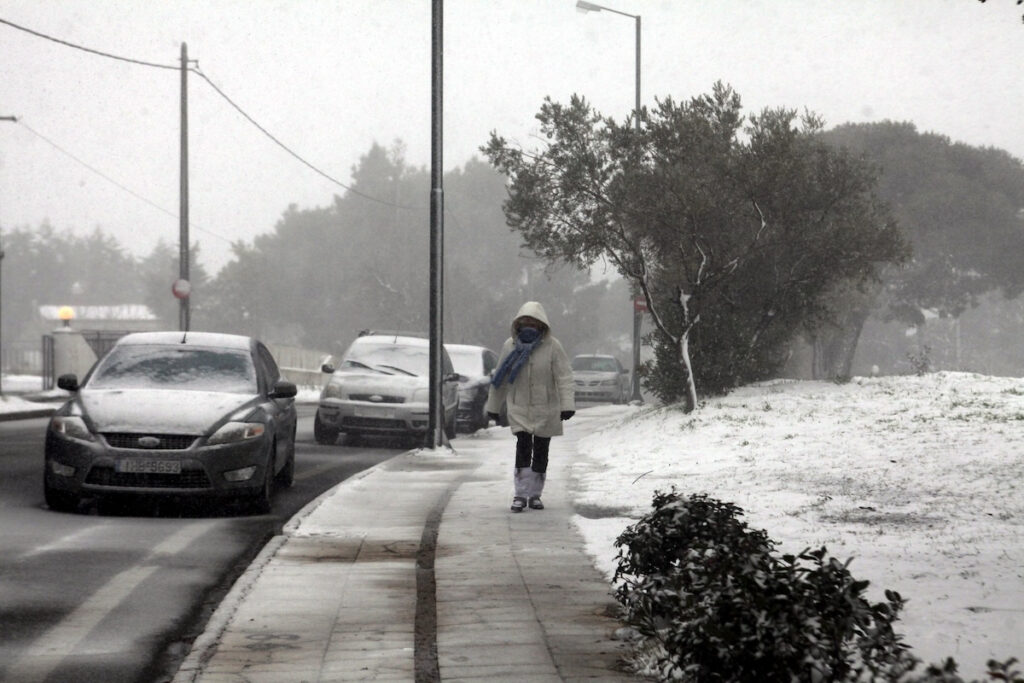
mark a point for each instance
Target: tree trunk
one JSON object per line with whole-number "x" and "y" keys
{"x": 691, "y": 385}
{"x": 834, "y": 347}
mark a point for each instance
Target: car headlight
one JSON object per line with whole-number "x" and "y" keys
{"x": 333, "y": 390}
{"x": 421, "y": 395}
{"x": 72, "y": 427}
{"x": 232, "y": 432}
{"x": 609, "y": 382}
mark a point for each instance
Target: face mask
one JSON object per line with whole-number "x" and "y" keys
{"x": 528, "y": 334}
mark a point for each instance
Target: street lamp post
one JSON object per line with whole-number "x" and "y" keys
{"x": 13, "y": 119}
{"x": 637, "y": 314}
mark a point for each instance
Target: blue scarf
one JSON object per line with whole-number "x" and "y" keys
{"x": 525, "y": 342}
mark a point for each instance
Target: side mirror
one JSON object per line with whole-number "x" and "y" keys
{"x": 454, "y": 377}
{"x": 68, "y": 382}
{"x": 328, "y": 368}
{"x": 283, "y": 389}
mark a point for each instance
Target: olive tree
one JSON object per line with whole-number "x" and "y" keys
{"x": 731, "y": 227}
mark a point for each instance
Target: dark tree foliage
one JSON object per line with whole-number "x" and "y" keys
{"x": 733, "y": 228}
{"x": 960, "y": 207}
{"x": 46, "y": 267}
{"x": 326, "y": 273}
{"x": 159, "y": 270}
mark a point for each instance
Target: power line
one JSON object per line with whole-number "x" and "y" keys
{"x": 226, "y": 99}
{"x": 114, "y": 182}
{"x": 87, "y": 49}
{"x": 295, "y": 154}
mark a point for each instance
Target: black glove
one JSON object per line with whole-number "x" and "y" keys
{"x": 566, "y": 414}
{"x": 494, "y": 416}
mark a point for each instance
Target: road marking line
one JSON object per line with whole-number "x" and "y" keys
{"x": 67, "y": 539}
{"x": 46, "y": 653}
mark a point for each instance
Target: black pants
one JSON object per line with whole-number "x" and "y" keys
{"x": 532, "y": 451}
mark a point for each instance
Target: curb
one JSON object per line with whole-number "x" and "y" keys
{"x": 203, "y": 647}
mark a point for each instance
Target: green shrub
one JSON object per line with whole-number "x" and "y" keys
{"x": 719, "y": 604}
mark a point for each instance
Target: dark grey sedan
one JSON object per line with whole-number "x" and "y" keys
{"x": 173, "y": 413}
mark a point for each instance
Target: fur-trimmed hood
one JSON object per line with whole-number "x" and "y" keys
{"x": 531, "y": 309}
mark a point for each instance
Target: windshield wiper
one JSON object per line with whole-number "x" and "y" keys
{"x": 401, "y": 370}
{"x": 357, "y": 364}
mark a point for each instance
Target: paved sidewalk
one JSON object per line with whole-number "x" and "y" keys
{"x": 417, "y": 570}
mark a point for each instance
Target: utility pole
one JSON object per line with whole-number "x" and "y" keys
{"x": 13, "y": 119}
{"x": 435, "y": 423}
{"x": 183, "y": 302}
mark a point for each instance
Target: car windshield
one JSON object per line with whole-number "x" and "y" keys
{"x": 389, "y": 358}
{"x": 468, "y": 362}
{"x": 176, "y": 367}
{"x": 594, "y": 364}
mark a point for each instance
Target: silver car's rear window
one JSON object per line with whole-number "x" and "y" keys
{"x": 175, "y": 367}
{"x": 467, "y": 362}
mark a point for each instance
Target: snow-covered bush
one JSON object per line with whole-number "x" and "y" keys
{"x": 715, "y": 602}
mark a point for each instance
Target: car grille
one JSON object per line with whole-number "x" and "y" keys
{"x": 188, "y": 479}
{"x": 168, "y": 442}
{"x": 377, "y": 398}
{"x": 372, "y": 423}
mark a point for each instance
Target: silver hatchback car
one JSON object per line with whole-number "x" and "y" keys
{"x": 600, "y": 378}
{"x": 383, "y": 387}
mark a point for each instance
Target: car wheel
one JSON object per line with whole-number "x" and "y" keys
{"x": 323, "y": 434}
{"x": 60, "y": 501}
{"x": 261, "y": 501}
{"x": 286, "y": 477}
{"x": 483, "y": 422}
{"x": 449, "y": 425}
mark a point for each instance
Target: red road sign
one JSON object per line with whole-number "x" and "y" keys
{"x": 640, "y": 304}
{"x": 181, "y": 288}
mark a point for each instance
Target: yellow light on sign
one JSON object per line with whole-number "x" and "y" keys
{"x": 65, "y": 313}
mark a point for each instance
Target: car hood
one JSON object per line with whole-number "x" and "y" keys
{"x": 159, "y": 410}
{"x": 383, "y": 385}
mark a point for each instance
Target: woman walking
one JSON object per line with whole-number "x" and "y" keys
{"x": 534, "y": 379}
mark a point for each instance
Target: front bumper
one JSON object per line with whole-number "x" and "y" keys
{"x": 374, "y": 418}
{"x": 597, "y": 393}
{"x": 97, "y": 469}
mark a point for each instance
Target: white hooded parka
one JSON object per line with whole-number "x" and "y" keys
{"x": 544, "y": 386}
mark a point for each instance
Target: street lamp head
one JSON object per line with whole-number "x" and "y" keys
{"x": 588, "y": 6}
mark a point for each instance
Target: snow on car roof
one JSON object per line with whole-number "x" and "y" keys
{"x": 464, "y": 347}
{"x": 392, "y": 339}
{"x": 210, "y": 339}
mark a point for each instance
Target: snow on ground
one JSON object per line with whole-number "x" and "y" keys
{"x": 16, "y": 404}
{"x": 919, "y": 479}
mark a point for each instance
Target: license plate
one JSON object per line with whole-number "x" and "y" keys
{"x": 374, "y": 411}
{"x": 140, "y": 466}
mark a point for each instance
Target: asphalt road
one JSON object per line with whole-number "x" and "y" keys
{"x": 118, "y": 591}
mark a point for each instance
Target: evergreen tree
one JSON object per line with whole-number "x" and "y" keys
{"x": 732, "y": 234}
